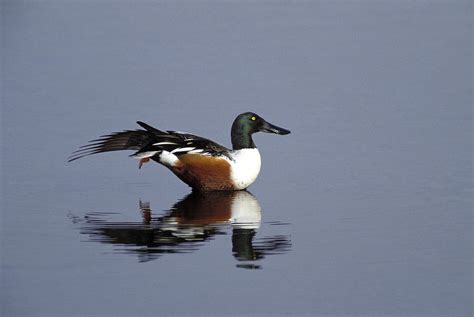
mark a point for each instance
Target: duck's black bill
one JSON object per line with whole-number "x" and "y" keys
{"x": 271, "y": 128}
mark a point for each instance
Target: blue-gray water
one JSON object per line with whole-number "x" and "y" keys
{"x": 366, "y": 208}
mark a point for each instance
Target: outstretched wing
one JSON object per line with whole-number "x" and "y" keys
{"x": 150, "y": 142}
{"x": 118, "y": 141}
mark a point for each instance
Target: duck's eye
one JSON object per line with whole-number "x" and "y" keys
{"x": 253, "y": 118}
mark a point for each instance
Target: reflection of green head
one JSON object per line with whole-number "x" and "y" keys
{"x": 248, "y": 123}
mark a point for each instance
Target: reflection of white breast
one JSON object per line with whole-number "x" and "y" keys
{"x": 245, "y": 211}
{"x": 245, "y": 166}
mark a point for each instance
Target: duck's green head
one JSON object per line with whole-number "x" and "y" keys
{"x": 247, "y": 124}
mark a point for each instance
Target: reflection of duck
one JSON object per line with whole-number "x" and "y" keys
{"x": 196, "y": 218}
{"x": 238, "y": 208}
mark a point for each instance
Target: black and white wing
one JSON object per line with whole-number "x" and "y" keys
{"x": 180, "y": 143}
{"x": 150, "y": 142}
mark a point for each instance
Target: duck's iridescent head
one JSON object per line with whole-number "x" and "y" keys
{"x": 247, "y": 124}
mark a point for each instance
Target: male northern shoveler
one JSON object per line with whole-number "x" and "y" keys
{"x": 201, "y": 163}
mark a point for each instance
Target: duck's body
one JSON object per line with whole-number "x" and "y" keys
{"x": 201, "y": 163}
{"x": 233, "y": 172}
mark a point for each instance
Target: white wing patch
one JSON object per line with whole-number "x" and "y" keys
{"x": 183, "y": 149}
{"x": 165, "y": 143}
{"x": 196, "y": 151}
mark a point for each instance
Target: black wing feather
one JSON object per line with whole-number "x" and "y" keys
{"x": 146, "y": 140}
{"x": 118, "y": 141}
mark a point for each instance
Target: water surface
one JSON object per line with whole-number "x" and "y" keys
{"x": 365, "y": 209}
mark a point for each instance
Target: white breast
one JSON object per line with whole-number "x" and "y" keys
{"x": 245, "y": 166}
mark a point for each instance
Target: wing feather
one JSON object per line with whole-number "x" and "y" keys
{"x": 150, "y": 141}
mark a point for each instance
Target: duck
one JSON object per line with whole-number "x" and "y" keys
{"x": 201, "y": 163}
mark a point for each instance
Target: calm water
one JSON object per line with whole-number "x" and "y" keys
{"x": 365, "y": 209}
